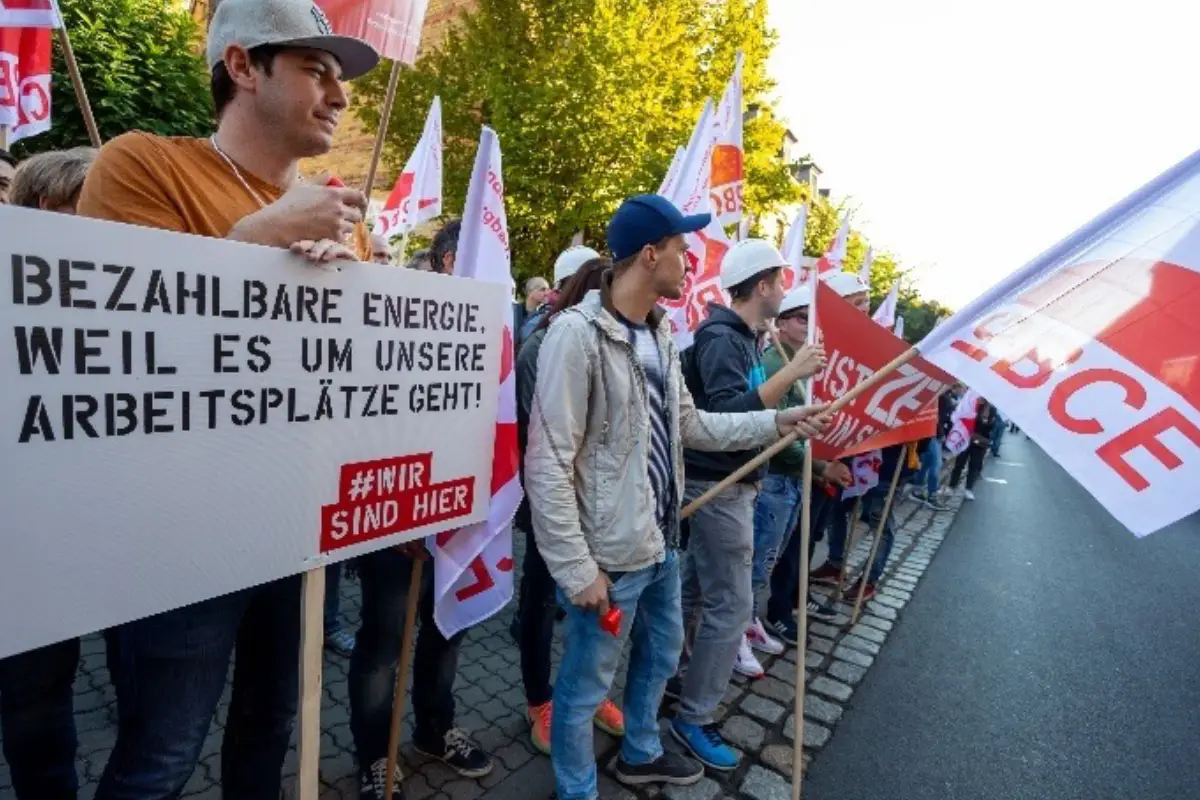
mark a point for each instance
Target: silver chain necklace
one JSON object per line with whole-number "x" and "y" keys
{"x": 236, "y": 172}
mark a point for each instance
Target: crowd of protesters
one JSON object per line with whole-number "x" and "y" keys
{"x": 618, "y": 430}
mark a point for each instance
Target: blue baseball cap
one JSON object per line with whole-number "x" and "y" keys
{"x": 648, "y": 219}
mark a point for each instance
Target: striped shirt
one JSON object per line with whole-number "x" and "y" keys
{"x": 661, "y": 468}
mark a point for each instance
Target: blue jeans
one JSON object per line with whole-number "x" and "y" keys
{"x": 169, "y": 672}
{"x": 872, "y": 507}
{"x": 37, "y": 723}
{"x": 775, "y": 515}
{"x": 931, "y": 467}
{"x": 650, "y": 601}
{"x": 997, "y": 435}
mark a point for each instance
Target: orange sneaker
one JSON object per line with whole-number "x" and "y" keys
{"x": 539, "y": 727}
{"x": 610, "y": 719}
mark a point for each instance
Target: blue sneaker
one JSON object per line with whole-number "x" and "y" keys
{"x": 705, "y": 744}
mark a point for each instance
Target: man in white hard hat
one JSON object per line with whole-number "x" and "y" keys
{"x": 565, "y": 266}
{"x": 604, "y": 476}
{"x": 724, "y": 374}
{"x": 277, "y": 71}
{"x": 777, "y": 513}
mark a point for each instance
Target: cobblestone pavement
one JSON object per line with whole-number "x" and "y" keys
{"x": 756, "y": 716}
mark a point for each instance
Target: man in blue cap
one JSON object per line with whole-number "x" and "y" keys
{"x": 604, "y": 476}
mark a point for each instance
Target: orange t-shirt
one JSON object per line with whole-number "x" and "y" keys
{"x": 177, "y": 184}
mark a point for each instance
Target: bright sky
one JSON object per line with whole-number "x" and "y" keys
{"x": 973, "y": 136}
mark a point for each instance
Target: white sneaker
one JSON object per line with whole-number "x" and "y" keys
{"x": 746, "y": 663}
{"x": 760, "y": 640}
{"x": 968, "y": 494}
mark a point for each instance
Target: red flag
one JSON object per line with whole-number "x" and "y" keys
{"x": 29, "y": 14}
{"x": 24, "y": 81}
{"x": 393, "y": 27}
{"x": 902, "y": 408}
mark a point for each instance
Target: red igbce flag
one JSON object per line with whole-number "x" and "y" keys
{"x": 393, "y": 27}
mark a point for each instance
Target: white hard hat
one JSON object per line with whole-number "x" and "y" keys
{"x": 845, "y": 283}
{"x": 748, "y": 258}
{"x": 800, "y": 297}
{"x": 570, "y": 260}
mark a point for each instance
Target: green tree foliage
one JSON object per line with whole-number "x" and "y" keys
{"x": 142, "y": 67}
{"x": 590, "y": 99}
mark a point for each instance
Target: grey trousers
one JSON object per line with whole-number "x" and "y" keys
{"x": 716, "y": 598}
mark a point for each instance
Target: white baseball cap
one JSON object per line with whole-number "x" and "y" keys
{"x": 845, "y": 283}
{"x": 800, "y": 297}
{"x": 570, "y": 260}
{"x": 748, "y": 258}
{"x": 289, "y": 23}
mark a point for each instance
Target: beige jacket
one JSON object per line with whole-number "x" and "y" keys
{"x": 586, "y": 465}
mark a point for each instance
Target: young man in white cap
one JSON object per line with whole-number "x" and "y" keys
{"x": 565, "y": 266}
{"x": 725, "y": 375}
{"x": 604, "y": 476}
{"x": 277, "y": 73}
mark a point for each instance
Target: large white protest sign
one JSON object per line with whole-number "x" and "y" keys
{"x": 185, "y": 417}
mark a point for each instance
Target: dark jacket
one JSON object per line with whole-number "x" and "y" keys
{"x": 723, "y": 371}
{"x": 946, "y": 404}
{"x": 985, "y": 421}
{"x": 527, "y": 362}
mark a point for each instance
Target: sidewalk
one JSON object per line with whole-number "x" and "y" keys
{"x": 756, "y": 715}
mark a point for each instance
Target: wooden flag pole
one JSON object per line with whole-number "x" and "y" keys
{"x": 406, "y": 655}
{"x": 85, "y": 106}
{"x": 389, "y": 100}
{"x": 312, "y": 643}
{"x": 781, "y": 445}
{"x": 802, "y": 624}
{"x": 887, "y": 507}
{"x": 3, "y": 137}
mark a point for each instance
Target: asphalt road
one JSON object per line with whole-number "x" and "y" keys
{"x": 1046, "y": 654}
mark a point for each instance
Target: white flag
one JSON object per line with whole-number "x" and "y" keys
{"x": 836, "y": 254}
{"x": 671, "y": 180}
{"x": 728, "y": 169}
{"x": 473, "y": 565}
{"x": 885, "y": 315}
{"x": 864, "y": 272}
{"x": 417, "y": 195}
{"x": 793, "y": 249}
{"x": 958, "y": 438}
{"x": 1091, "y": 348}
{"x": 899, "y": 330}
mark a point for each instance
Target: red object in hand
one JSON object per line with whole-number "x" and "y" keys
{"x": 610, "y": 622}
{"x": 830, "y": 489}
{"x": 335, "y": 182}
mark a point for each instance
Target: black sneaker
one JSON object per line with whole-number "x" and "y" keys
{"x": 458, "y": 752}
{"x": 821, "y": 611}
{"x": 672, "y": 768}
{"x": 787, "y": 630}
{"x": 372, "y": 782}
{"x": 936, "y": 504}
{"x": 674, "y": 688}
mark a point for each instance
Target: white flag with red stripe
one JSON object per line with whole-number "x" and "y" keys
{"x": 1092, "y": 349}
{"x": 865, "y": 471}
{"x": 793, "y": 250}
{"x": 962, "y": 423}
{"x": 30, "y": 14}
{"x": 25, "y": 67}
{"x": 473, "y": 565}
{"x": 417, "y": 195}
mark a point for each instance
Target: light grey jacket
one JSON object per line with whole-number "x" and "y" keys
{"x": 586, "y": 466}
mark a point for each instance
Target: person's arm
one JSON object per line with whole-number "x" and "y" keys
{"x": 124, "y": 186}
{"x": 557, "y": 426}
{"x": 792, "y": 458}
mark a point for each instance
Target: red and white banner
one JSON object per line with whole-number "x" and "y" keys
{"x": 885, "y": 315}
{"x": 793, "y": 250}
{"x": 417, "y": 195}
{"x": 473, "y": 566}
{"x": 958, "y": 438}
{"x": 393, "y": 27}
{"x": 728, "y": 168}
{"x": 29, "y": 14}
{"x": 1092, "y": 349}
{"x": 836, "y": 254}
{"x": 902, "y": 408}
{"x": 25, "y": 66}
{"x": 865, "y": 471}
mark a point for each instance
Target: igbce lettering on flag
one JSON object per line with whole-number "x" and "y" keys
{"x": 222, "y": 415}
{"x": 1094, "y": 347}
{"x": 902, "y": 408}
